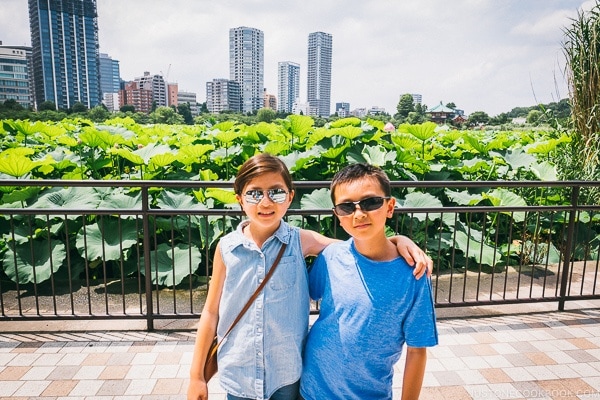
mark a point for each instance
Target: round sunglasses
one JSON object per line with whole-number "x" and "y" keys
{"x": 255, "y": 196}
{"x": 368, "y": 204}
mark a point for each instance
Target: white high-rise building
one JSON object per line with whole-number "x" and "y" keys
{"x": 319, "y": 73}
{"x": 223, "y": 95}
{"x": 288, "y": 85}
{"x": 246, "y": 65}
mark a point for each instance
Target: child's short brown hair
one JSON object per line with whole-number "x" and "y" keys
{"x": 357, "y": 171}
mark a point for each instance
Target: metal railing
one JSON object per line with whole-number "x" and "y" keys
{"x": 153, "y": 261}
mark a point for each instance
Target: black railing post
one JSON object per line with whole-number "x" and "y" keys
{"x": 147, "y": 263}
{"x": 568, "y": 254}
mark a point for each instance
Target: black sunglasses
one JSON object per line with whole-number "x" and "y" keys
{"x": 369, "y": 204}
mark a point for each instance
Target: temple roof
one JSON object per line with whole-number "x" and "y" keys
{"x": 440, "y": 108}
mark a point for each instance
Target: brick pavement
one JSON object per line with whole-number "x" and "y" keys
{"x": 542, "y": 355}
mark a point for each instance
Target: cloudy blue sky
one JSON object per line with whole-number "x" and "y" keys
{"x": 483, "y": 55}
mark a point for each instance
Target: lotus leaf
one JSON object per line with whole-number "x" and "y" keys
{"x": 170, "y": 265}
{"x": 33, "y": 261}
{"x": 107, "y": 239}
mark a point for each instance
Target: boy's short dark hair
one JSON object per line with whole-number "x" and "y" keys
{"x": 357, "y": 171}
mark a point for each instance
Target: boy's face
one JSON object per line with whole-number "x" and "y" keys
{"x": 363, "y": 224}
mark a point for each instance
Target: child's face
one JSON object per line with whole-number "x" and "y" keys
{"x": 362, "y": 224}
{"x": 266, "y": 199}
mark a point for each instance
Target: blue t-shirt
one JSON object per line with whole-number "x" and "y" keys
{"x": 369, "y": 309}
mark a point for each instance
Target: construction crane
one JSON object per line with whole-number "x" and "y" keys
{"x": 166, "y": 77}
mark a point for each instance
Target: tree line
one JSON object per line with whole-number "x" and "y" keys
{"x": 407, "y": 111}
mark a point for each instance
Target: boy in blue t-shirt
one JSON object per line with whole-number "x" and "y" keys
{"x": 369, "y": 306}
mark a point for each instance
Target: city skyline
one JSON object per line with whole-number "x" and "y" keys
{"x": 480, "y": 55}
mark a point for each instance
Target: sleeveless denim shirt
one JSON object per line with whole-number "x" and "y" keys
{"x": 264, "y": 351}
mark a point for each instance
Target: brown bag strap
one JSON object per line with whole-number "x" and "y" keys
{"x": 256, "y": 292}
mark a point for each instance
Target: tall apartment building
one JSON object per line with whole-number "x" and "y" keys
{"x": 15, "y": 83}
{"x": 110, "y": 75}
{"x": 110, "y": 81}
{"x": 319, "y": 73}
{"x": 65, "y": 52}
{"x": 157, "y": 85}
{"x": 417, "y": 98}
{"x": 223, "y": 95}
{"x": 246, "y": 65}
{"x": 288, "y": 85}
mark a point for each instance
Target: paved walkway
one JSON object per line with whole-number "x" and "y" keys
{"x": 545, "y": 355}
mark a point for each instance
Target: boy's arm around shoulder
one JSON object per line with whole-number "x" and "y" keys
{"x": 207, "y": 328}
{"x": 414, "y": 255}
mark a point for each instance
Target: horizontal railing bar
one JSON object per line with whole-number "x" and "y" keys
{"x": 294, "y": 211}
{"x": 297, "y": 184}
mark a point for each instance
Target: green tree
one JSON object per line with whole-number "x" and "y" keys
{"x": 203, "y": 108}
{"x": 451, "y": 105}
{"x": 499, "y": 119}
{"x": 415, "y": 117}
{"x": 533, "y": 117}
{"x": 166, "y": 115}
{"x": 99, "y": 113}
{"x": 12, "y": 104}
{"x": 127, "y": 108}
{"x": 49, "y": 115}
{"x": 79, "y": 107}
{"x": 266, "y": 115}
{"x": 478, "y": 117}
{"x": 185, "y": 111}
{"x": 47, "y": 106}
{"x": 405, "y": 106}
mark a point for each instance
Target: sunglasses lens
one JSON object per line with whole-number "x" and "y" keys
{"x": 253, "y": 196}
{"x": 277, "y": 195}
{"x": 371, "y": 204}
{"x": 345, "y": 209}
